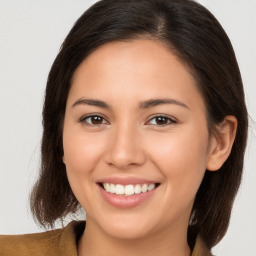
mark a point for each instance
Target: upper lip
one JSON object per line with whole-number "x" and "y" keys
{"x": 126, "y": 180}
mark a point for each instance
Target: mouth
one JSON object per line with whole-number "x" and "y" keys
{"x": 127, "y": 192}
{"x": 129, "y": 189}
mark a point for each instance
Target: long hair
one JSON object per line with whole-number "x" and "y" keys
{"x": 193, "y": 34}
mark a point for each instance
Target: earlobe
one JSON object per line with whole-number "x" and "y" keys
{"x": 222, "y": 143}
{"x": 63, "y": 159}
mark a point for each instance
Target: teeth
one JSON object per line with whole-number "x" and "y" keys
{"x": 119, "y": 189}
{"x": 144, "y": 188}
{"x": 112, "y": 189}
{"x": 128, "y": 190}
{"x": 137, "y": 189}
{"x": 151, "y": 187}
{"x": 106, "y": 187}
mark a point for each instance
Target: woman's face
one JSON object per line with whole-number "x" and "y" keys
{"x": 134, "y": 122}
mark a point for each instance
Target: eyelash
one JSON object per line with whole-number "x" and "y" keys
{"x": 166, "y": 118}
{"x": 84, "y": 118}
{"x": 169, "y": 119}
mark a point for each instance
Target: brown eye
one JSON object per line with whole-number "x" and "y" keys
{"x": 161, "y": 120}
{"x": 94, "y": 120}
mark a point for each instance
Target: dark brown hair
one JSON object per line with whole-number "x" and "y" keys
{"x": 197, "y": 38}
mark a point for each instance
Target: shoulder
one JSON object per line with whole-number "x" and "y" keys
{"x": 51, "y": 243}
{"x": 30, "y": 244}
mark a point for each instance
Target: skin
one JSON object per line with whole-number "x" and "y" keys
{"x": 128, "y": 141}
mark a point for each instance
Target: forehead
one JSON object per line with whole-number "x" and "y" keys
{"x": 139, "y": 51}
{"x": 139, "y": 68}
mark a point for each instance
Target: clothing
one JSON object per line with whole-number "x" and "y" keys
{"x": 60, "y": 242}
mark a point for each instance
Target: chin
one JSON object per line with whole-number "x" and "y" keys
{"x": 127, "y": 229}
{"x": 127, "y": 233}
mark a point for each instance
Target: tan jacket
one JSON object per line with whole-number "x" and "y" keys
{"x": 60, "y": 242}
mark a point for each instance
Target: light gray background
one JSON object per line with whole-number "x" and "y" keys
{"x": 31, "y": 33}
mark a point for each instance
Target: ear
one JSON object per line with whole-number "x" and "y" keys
{"x": 221, "y": 143}
{"x": 63, "y": 159}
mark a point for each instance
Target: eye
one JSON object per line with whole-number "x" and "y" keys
{"x": 93, "y": 120}
{"x": 161, "y": 121}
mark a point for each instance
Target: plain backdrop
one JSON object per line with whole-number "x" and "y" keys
{"x": 31, "y": 33}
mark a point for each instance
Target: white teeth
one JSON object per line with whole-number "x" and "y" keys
{"x": 112, "y": 188}
{"x": 128, "y": 190}
{"x": 144, "y": 188}
{"x": 107, "y": 187}
{"x": 137, "y": 189}
{"x": 119, "y": 189}
{"x": 151, "y": 187}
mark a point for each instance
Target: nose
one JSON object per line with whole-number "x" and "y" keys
{"x": 125, "y": 149}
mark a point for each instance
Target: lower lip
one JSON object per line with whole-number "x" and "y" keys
{"x": 122, "y": 201}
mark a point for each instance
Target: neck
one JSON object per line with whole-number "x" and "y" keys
{"x": 95, "y": 242}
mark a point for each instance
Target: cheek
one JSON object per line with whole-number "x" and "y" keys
{"x": 181, "y": 158}
{"x": 81, "y": 153}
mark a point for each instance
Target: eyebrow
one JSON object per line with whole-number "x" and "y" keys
{"x": 91, "y": 102}
{"x": 155, "y": 102}
{"x": 142, "y": 105}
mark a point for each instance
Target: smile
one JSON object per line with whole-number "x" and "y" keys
{"x": 128, "y": 190}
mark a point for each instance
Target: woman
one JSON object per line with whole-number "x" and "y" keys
{"x": 145, "y": 128}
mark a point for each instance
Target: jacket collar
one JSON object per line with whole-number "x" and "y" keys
{"x": 74, "y": 230}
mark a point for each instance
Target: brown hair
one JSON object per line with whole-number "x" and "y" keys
{"x": 197, "y": 38}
